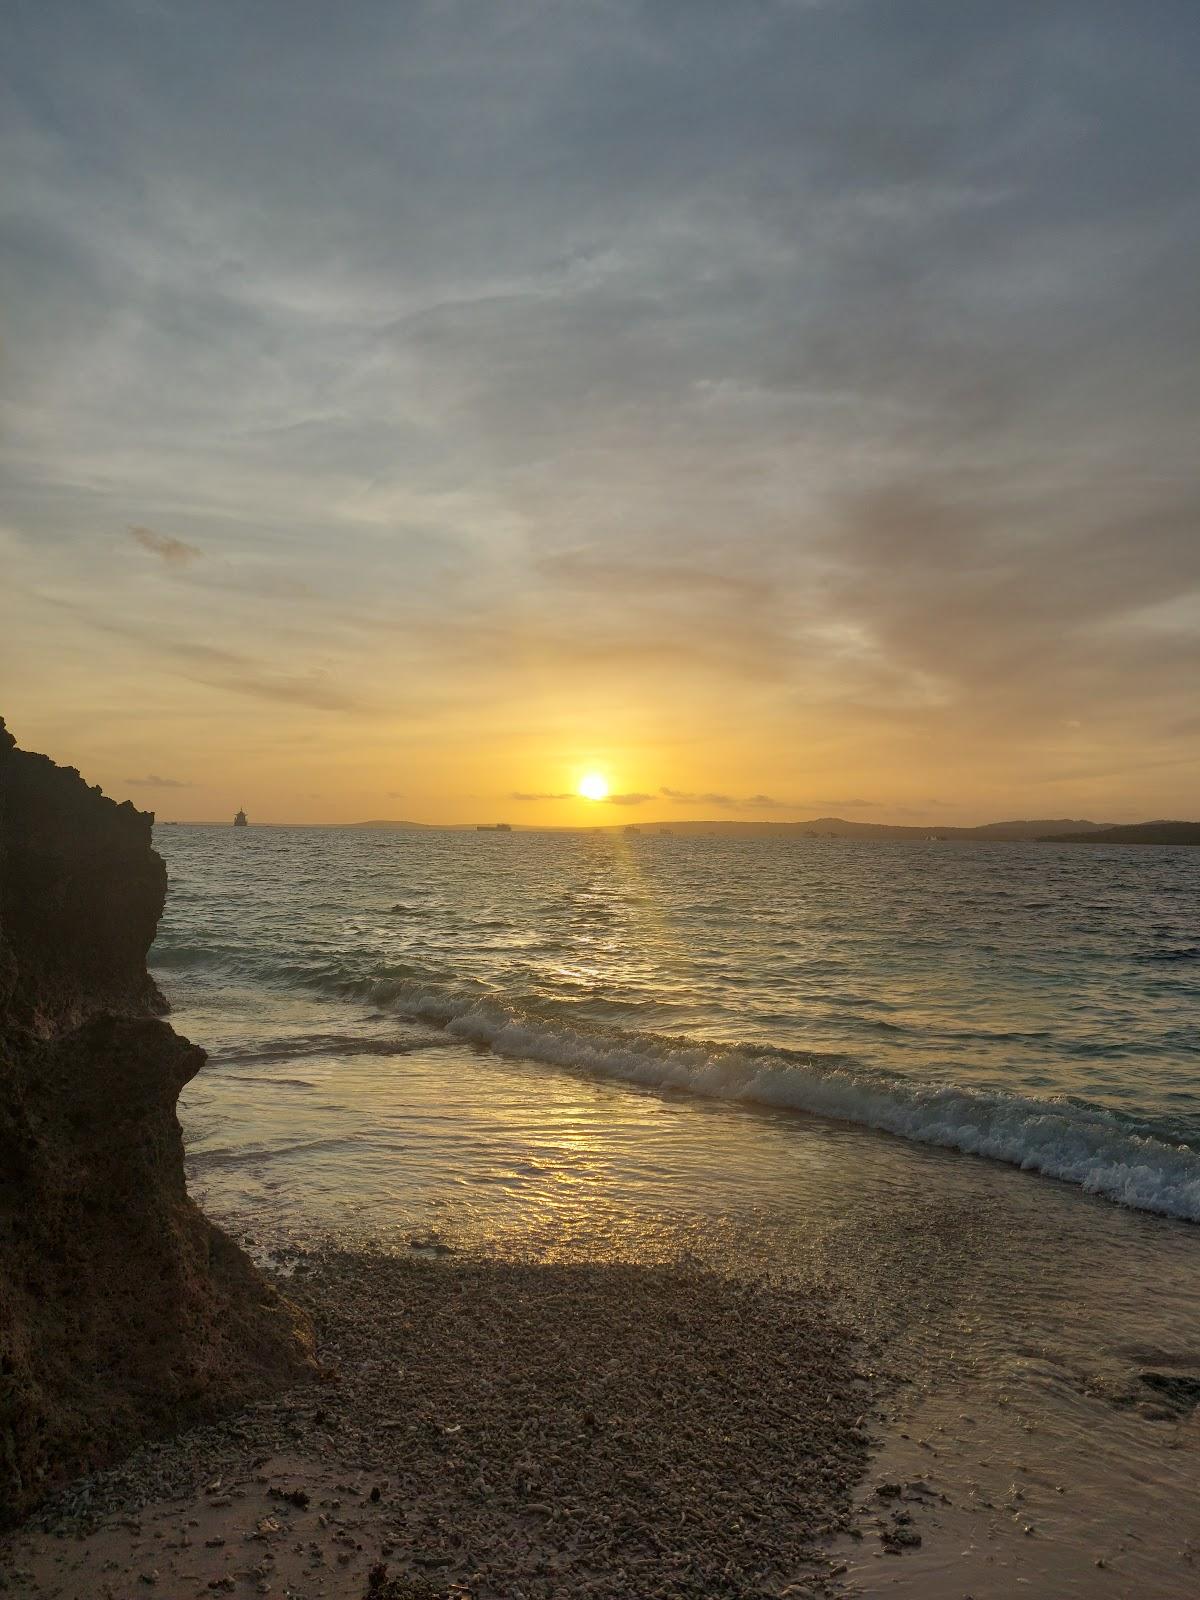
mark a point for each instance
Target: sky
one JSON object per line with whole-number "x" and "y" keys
{"x": 782, "y": 408}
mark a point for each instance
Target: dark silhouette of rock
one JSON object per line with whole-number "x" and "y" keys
{"x": 123, "y": 1311}
{"x": 80, "y": 897}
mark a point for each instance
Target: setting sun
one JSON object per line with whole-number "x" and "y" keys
{"x": 593, "y": 786}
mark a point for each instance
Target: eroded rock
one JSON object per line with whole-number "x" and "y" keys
{"x": 123, "y": 1311}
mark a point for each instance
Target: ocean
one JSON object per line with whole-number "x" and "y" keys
{"x": 956, "y": 1085}
{"x": 1038, "y": 1005}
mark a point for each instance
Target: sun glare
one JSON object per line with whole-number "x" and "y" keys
{"x": 593, "y": 786}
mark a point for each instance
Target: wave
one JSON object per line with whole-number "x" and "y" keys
{"x": 202, "y": 1160}
{"x": 1078, "y": 1143}
{"x": 269, "y": 1082}
{"x": 1102, "y": 1151}
{"x": 294, "y": 1047}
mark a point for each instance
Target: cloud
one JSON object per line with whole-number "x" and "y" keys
{"x": 687, "y": 797}
{"x": 858, "y": 421}
{"x": 175, "y": 552}
{"x": 589, "y": 571}
{"x": 233, "y": 671}
{"x": 153, "y": 781}
{"x": 631, "y": 799}
{"x": 838, "y": 805}
{"x": 762, "y": 802}
{"x": 301, "y": 691}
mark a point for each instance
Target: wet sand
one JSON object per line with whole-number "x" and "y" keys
{"x": 489, "y": 1425}
{"x": 500, "y": 1428}
{"x": 1023, "y": 1359}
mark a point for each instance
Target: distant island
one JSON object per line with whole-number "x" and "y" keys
{"x": 839, "y": 828}
{"x": 385, "y": 822}
{"x": 1133, "y": 833}
{"x": 1062, "y": 830}
{"x": 818, "y": 828}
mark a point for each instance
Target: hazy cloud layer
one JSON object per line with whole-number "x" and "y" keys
{"x": 785, "y": 397}
{"x": 763, "y": 802}
{"x": 688, "y": 797}
{"x": 153, "y": 781}
{"x": 633, "y": 798}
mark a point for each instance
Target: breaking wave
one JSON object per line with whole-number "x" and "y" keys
{"x": 1096, "y": 1149}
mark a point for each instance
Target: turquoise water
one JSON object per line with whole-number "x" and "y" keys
{"x": 1035, "y": 1004}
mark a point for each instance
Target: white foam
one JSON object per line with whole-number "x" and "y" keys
{"x": 1083, "y": 1145}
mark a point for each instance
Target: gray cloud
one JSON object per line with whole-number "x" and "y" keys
{"x": 233, "y": 671}
{"x": 828, "y": 365}
{"x": 175, "y": 552}
{"x": 688, "y": 797}
{"x": 152, "y": 781}
{"x": 763, "y": 802}
{"x": 240, "y": 674}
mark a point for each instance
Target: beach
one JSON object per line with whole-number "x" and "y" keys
{"x": 607, "y": 1311}
{"x": 496, "y": 1429}
{"x": 878, "y": 1413}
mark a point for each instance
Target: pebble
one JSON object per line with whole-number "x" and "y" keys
{"x": 586, "y": 1429}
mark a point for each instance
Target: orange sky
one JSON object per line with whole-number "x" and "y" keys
{"x": 791, "y": 408}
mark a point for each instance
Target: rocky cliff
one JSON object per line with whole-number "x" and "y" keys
{"x": 123, "y": 1311}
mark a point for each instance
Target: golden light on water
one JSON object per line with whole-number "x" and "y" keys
{"x": 593, "y": 786}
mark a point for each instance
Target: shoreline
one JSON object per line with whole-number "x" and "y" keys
{"x": 493, "y": 1427}
{"x": 648, "y": 1341}
{"x": 762, "y": 1427}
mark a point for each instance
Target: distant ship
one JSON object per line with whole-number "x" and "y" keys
{"x": 240, "y": 820}
{"x": 493, "y": 827}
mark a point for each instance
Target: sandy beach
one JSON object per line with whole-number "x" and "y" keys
{"x": 493, "y": 1429}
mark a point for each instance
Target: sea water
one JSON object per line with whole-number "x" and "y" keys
{"x": 1035, "y": 1004}
{"x": 958, "y": 1083}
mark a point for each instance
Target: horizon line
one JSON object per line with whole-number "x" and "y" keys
{"x": 666, "y": 823}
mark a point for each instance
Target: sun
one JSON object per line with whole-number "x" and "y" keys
{"x": 593, "y": 786}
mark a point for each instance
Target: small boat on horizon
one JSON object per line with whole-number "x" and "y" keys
{"x": 240, "y": 821}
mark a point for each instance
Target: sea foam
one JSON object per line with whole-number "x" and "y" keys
{"x": 1080, "y": 1144}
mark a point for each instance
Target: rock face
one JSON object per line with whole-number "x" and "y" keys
{"x": 123, "y": 1311}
